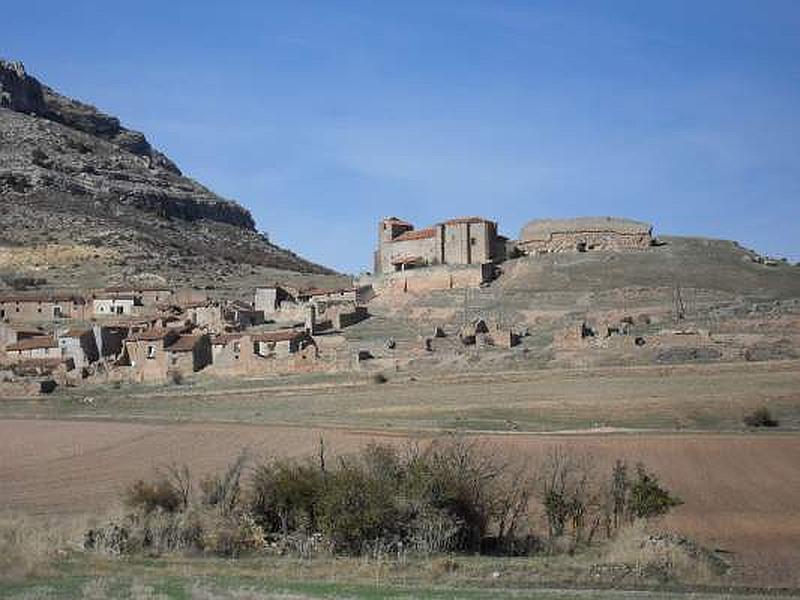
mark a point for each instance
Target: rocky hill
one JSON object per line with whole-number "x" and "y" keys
{"x": 78, "y": 190}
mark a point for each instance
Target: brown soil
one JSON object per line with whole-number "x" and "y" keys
{"x": 741, "y": 491}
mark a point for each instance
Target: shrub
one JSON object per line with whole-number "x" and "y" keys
{"x": 223, "y": 492}
{"x": 285, "y": 495}
{"x": 149, "y": 496}
{"x": 357, "y": 510}
{"x": 648, "y": 498}
{"x": 760, "y": 417}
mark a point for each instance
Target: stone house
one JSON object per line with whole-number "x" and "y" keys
{"x": 148, "y": 297}
{"x": 110, "y": 339}
{"x": 218, "y": 317}
{"x": 79, "y": 345}
{"x": 269, "y": 298}
{"x": 34, "y": 348}
{"x": 144, "y": 357}
{"x": 143, "y": 300}
{"x": 292, "y": 305}
{"x": 152, "y": 356}
{"x": 10, "y": 334}
{"x": 116, "y": 304}
{"x": 233, "y": 354}
{"x": 584, "y": 234}
{"x": 461, "y": 241}
{"x": 189, "y": 353}
{"x": 41, "y": 307}
{"x": 281, "y": 343}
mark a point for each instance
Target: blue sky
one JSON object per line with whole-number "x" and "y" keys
{"x": 323, "y": 116}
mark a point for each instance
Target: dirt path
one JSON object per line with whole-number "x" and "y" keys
{"x": 741, "y": 491}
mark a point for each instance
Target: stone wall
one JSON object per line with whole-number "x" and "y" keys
{"x": 442, "y": 277}
{"x": 587, "y": 241}
{"x": 428, "y": 249}
{"x": 146, "y": 367}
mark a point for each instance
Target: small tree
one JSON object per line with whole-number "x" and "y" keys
{"x": 648, "y": 498}
{"x": 224, "y": 491}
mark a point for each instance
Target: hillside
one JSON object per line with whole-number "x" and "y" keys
{"x": 85, "y": 200}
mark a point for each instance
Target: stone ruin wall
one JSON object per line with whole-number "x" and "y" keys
{"x": 426, "y": 248}
{"x": 427, "y": 279}
{"x": 594, "y": 240}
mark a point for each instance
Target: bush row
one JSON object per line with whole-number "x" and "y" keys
{"x": 451, "y": 495}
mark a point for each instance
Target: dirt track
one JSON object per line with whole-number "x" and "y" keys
{"x": 741, "y": 491}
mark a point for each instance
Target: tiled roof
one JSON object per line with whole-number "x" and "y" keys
{"x": 278, "y": 336}
{"x": 324, "y": 291}
{"x": 34, "y": 343}
{"x": 20, "y": 331}
{"x": 111, "y": 295}
{"x": 151, "y": 335}
{"x": 418, "y": 234}
{"x": 224, "y": 339}
{"x": 43, "y": 297}
{"x": 184, "y": 343}
{"x": 75, "y": 332}
{"x": 131, "y": 290}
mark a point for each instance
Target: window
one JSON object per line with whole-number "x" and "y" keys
{"x": 57, "y": 313}
{"x": 151, "y": 352}
{"x": 473, "y": 241}
{"x": 237, "y": 347}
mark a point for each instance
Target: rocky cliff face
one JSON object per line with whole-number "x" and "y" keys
{"x": 71, "y": 173}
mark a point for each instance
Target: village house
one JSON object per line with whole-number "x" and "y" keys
{"x": 110, "y": 339}
{"x": 233, "y": 354}
{"x": 317, "y": 308}
{"x": 584, "y": 234}
{"x": 38, "y": 347}
{"x": 41, "y": 307}
{"x": 79, "y": 345}
{"x": 155, "y": 355}
{"x": 219, "y": 317}
{"x": 461, "y": 241}
{"x": 116, "y": 304}
{"x": 10, "y": 334}
{"x": 282, "y": 343}
{"x": 189, "y": 353}
{"x": 142, "y": 301}
{"x": 148, "y": 297}
{"x": 144, "y": 355}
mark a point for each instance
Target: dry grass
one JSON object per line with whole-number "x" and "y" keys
{"x": 641, "y": 548}
{"x": 56, "y": 255}
{"x": 28, "y": 545}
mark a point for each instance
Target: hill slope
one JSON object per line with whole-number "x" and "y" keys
{"x": 78, "y": 188}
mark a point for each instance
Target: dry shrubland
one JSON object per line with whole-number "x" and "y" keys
{"x": 450, "y": 496}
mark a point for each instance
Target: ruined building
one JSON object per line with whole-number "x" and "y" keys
{"x": 462, "y": 241}
{"x": 584, "y": 234}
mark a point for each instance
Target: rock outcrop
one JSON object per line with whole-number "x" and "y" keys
{"x": 69, "y": 172}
